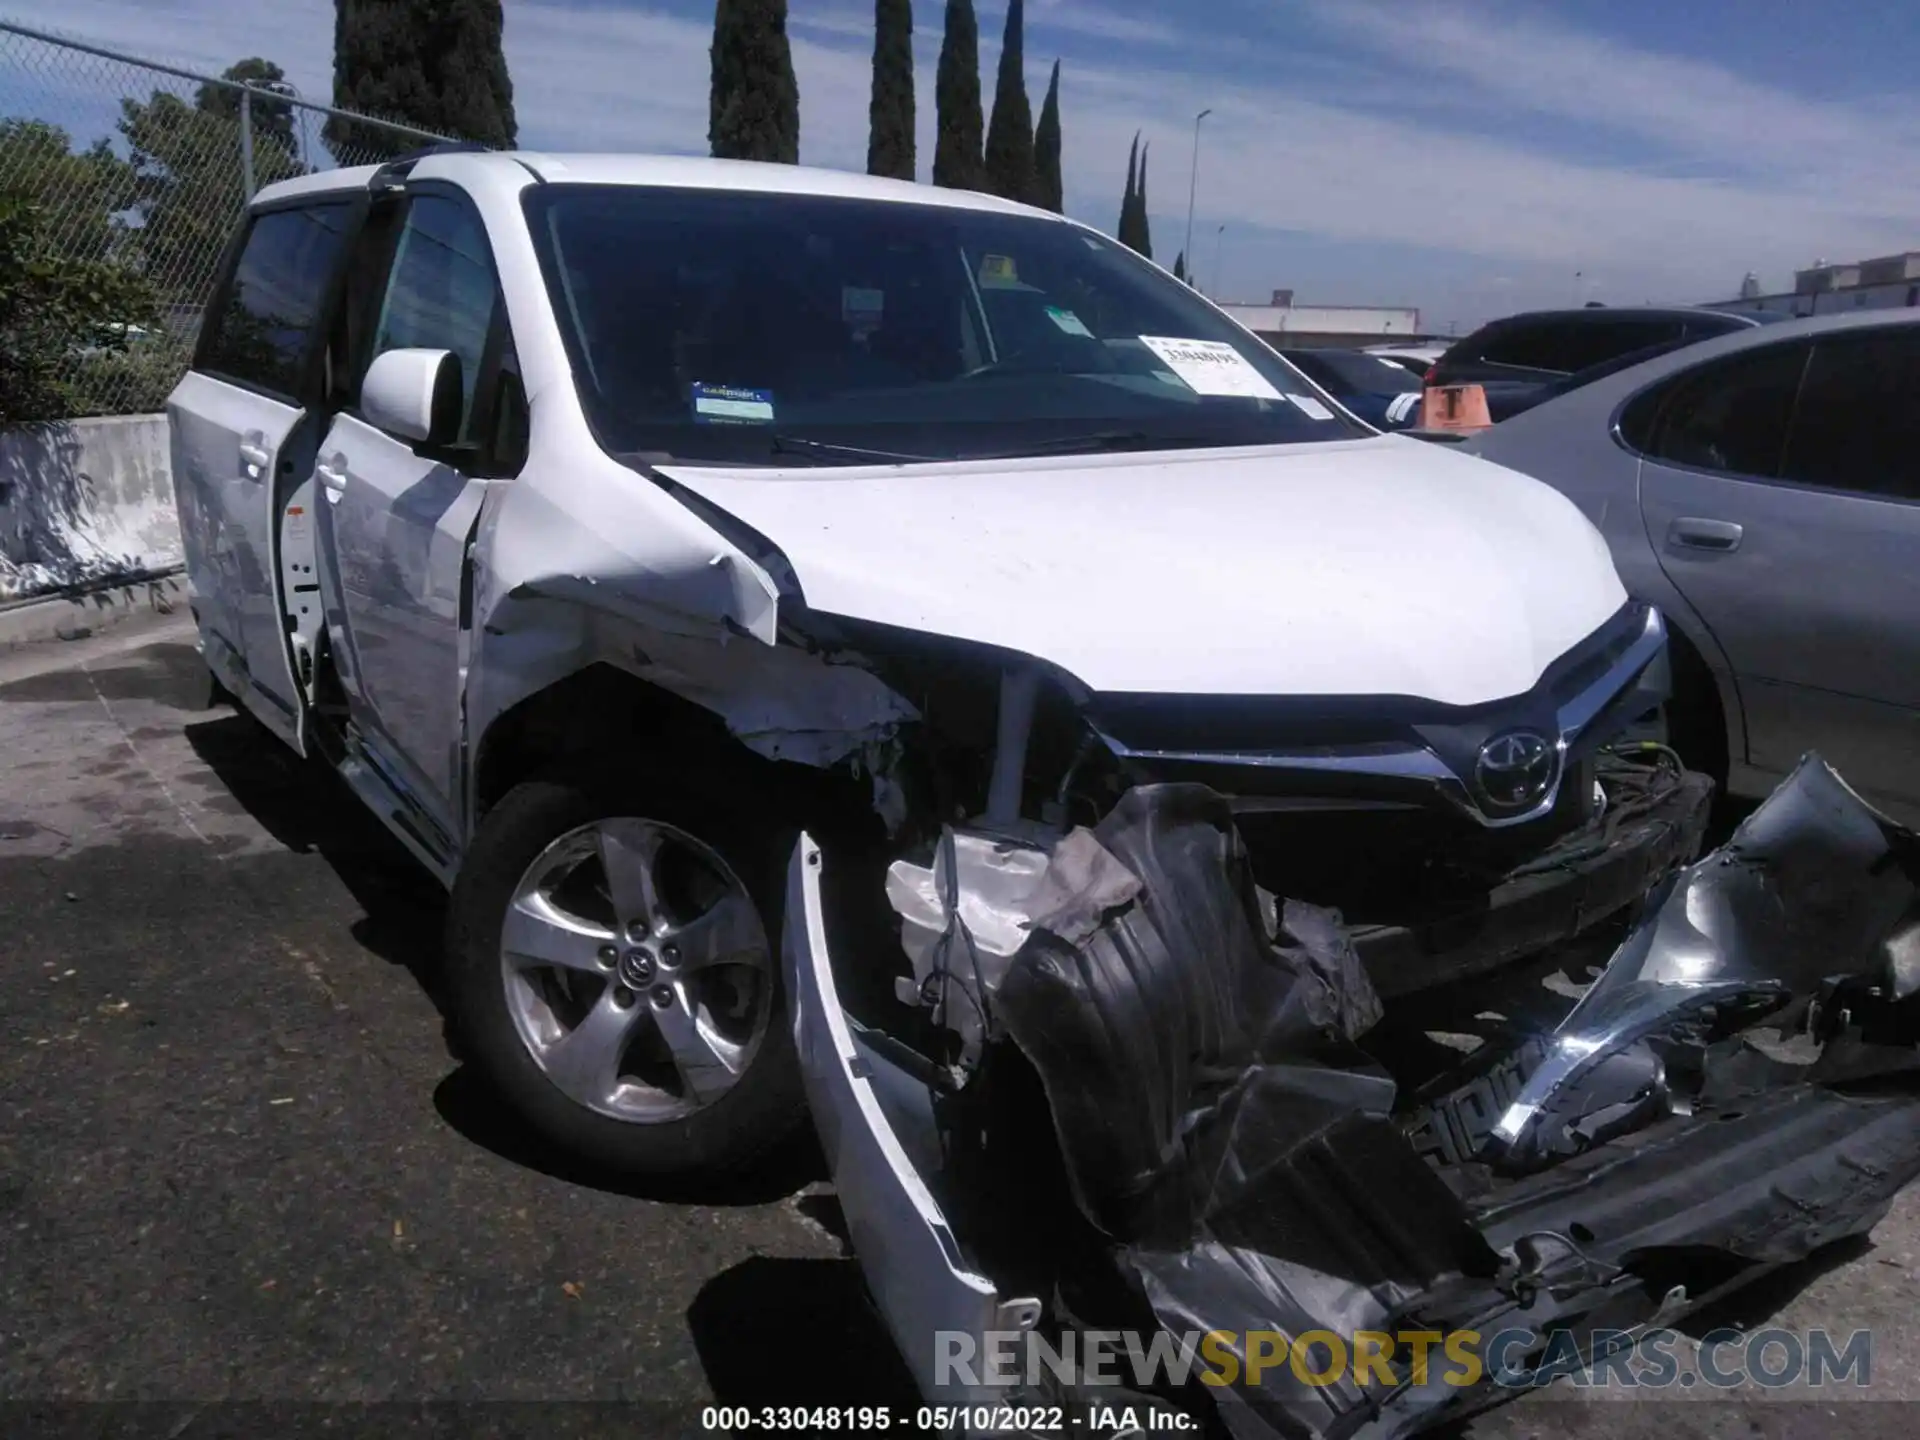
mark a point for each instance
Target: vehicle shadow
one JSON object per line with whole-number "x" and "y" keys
{"x": 472, "y": 1108}
{"x": 308, "y": 809}
{"x": 793, "y": 1332}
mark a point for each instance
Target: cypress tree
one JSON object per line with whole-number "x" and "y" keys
{"x": 956, "y": 150}
{"x": 890, "y": 114}
{"x": 1124, "y": 231}
{"x": 434, "y": 64}
{"x": 1143, "y": 241}
{"x": 1180, "y": 266}
{"x": 753, "y": 105}
{"x": 1010, "y": 131}
{"x": 1048, "y": 191}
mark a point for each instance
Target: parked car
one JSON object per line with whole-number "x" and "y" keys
{"x": 1382, "y": 392}
{"x": 1763, "y": 489}
{"x": 1419, "y": 358}
{"x": 791, "y": 611}
{"x": 1526, "y": 359}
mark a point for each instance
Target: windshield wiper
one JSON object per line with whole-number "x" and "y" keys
{"x": 1095, "y": 443}
{"x": 800, "y": 445}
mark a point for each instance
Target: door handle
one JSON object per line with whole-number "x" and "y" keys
{"x": 253, "y": 450}
{"x": 332, "y": 475}
{"x": 1692, "y": 533}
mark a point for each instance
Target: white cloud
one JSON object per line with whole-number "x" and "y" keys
{"x": 1727, "y": 174}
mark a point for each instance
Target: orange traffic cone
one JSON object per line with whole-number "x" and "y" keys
{"x": 1454, "y": 407}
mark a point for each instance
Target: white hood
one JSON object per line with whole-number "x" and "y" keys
{"x": 1384, "y": 566}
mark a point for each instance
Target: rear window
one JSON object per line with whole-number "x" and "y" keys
{"x": 262, "y": 327}
{"x": 1567, "y": 347}
{"x": 1529, "y": 347}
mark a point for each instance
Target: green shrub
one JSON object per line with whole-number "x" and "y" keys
{"x": 69, "y": 326}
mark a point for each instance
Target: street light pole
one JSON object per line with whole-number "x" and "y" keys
{"x": 1193, "y": 180}
{"x": 1218, "y": 288}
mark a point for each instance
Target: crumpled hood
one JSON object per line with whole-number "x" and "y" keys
{"x": 1383, "y": 566}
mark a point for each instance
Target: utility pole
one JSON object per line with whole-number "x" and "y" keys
{"x": 1193, "y": 180}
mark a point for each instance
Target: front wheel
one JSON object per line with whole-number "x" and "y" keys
{"x": 614, "y": 971}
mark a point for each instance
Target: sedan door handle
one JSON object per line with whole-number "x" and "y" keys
{"x": 253, "y": 450}
{"x": 333, "y": 478}
{"x": 1692, "y": 533}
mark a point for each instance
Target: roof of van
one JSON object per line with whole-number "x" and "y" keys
{"x": 664, "y": 171}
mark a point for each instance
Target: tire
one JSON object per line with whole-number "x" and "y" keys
{"x": 1695, "y": 724}
{"x": 513, "y": 1023}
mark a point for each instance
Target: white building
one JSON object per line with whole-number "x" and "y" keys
{"x": 1890, "y": 282}
{"x": 1282, "y": 323}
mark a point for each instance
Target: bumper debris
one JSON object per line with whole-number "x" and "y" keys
{"x": 1181, "y": 1084}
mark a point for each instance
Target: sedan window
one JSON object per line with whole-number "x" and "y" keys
{"x": 1857, "y": 426}
{"x": 1730, "y": 415}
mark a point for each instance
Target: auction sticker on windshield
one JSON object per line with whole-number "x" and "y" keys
{"x": 731, "y": 405}
{"x": 1211, "y": 367}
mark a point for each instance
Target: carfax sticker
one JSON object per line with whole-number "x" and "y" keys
{"x": 731, "y": 405}
{"x": 1211, "y": 367}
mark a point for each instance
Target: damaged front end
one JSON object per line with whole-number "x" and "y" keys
{"x": 1125, "y": 1089}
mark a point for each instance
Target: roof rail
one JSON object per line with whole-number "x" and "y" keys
{"x": 389, "y": 175}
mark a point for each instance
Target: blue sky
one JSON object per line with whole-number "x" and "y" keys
{"x": 1469, "y": 158}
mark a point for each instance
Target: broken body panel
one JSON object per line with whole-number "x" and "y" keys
{"x": 1243, "y": 1163}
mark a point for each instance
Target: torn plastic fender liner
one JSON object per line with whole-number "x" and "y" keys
{"x": 1814, "y": 886}
{"x": 1175, "y": 1037}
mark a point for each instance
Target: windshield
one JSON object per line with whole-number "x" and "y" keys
{"x": 740, "y": 326}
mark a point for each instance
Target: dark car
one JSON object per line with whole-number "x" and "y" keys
{"x": 1382, "y": 392}
{"x": 1525, "y": 359}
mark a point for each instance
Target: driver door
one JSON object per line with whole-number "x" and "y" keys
{"x": 396, "y": 516}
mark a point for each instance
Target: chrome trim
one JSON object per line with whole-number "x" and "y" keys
{"x": 1579, "y": 712}
{"x": 1419, "y": 763}
{"x": 1412, "y": 763}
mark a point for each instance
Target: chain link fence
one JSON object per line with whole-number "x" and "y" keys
{"x": 120, "y": 183}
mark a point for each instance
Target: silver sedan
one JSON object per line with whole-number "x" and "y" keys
{"x": 1763, "y": 489}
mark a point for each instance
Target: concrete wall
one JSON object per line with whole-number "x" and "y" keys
{"x": 85, "y": 503}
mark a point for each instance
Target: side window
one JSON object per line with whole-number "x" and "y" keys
{"x": 260, "y": 330}
{"x": 1857, "y": 426}
{"x": 1532, "y": 347}
{"x": 442, "y": 293}
{"x": 1730, "y": 415}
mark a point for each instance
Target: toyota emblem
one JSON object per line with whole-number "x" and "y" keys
{"x": 1516, "y": 769}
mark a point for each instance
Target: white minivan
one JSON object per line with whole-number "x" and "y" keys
{"x": 609, "y": 522}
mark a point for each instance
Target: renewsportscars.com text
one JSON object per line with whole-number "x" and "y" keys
{"x": 1517, "y": 1358}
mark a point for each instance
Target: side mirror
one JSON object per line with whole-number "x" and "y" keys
{"x": 414, "y": 394}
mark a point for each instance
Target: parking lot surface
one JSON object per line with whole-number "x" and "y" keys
{"x": 239, "y": 1162}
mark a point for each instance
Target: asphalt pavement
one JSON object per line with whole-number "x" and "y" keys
{"x": 240, "y": 1165}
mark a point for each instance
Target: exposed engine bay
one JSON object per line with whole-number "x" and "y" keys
{"x": 1121, "y": 1083}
